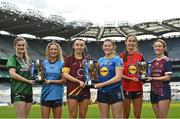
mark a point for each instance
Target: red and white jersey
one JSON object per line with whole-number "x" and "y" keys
{"x": 130, "y": 70}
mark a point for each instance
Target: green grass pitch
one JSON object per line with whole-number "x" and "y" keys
{"x": 93, "y": 111}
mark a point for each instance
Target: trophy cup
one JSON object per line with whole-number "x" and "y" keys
{"x": 90, "y": 71}
{"x": 144, "y": 70}
{"x": 37, "y": 72}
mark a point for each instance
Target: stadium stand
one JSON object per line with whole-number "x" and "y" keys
{"x": 16, "y": 22}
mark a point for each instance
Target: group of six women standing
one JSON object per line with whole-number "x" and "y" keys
{"x": 118, "y": 86}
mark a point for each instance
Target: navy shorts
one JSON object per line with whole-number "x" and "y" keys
{"x": 52, "y": 103}
{"x": 21, "y": 97}
{"x": 110, "y": 97}
{"x": 133, "y": 95}
{"x": 155, "y": 98}
{"x": 79, "y": 97}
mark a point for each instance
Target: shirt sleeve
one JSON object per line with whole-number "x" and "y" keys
{"x": 119, "y": 63}
{"x": 66, "y": 68}
{"x": 11, "y": 63}
{"x": 168, "y": 67}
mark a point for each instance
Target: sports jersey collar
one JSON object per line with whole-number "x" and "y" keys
{"x": 160, "y": 58}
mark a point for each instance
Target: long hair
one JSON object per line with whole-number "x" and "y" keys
{"x": 125, "y": 54}
{"x": 60, "y": 52}
{"x": 85, "y": 48}
{"x": 113, "y": 43}
{"x": 25, "y": 54}
{"x": 161, "y": 40}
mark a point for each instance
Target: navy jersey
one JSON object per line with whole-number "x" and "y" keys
{"x": 53, "y": 71}
{"x": 161, "y": 67}
{"x": 107, "y": 70}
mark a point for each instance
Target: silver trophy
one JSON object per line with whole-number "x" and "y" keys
{"x": 37, "y": 71}
{"x": 144, "y": 70}
{"x": 90, "y": 71}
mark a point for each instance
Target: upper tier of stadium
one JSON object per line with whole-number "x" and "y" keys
{"x": 33, "y": 22}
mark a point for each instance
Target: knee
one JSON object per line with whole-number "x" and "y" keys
{"x": 82, "y": 115}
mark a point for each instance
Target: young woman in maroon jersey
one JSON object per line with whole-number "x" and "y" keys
{"x": 161, "y": 70}
{"x": 132, "y": 87}
{"x": 77, "y": 94}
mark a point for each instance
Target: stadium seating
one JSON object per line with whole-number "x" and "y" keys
{"x": 37, "y": 48}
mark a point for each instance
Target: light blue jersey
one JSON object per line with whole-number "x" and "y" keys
{"x": 53, "y": 71}
{"x": 107, "y": 70}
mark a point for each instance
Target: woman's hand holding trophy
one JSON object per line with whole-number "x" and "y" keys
{"x": 37, "y": 71}
{"x": 144, "y": 70}
{"x": 90, "y": 71}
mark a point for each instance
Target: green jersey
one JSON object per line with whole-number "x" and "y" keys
{"x": 22, "y": 68}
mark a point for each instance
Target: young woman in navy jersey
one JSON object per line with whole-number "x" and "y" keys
{"x": 110, "y": 92}
{"x": 78, "y": 95}
{"x": 52, "y": 89}
{"x": 161, "y": 70}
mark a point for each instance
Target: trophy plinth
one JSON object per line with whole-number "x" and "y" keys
{"x": 90, "y": 71}
{"x": 89, "y": 84}
{"x": 144, "y": 70}
{"x": 37, "y": 72}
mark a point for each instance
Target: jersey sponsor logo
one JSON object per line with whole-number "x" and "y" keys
{"x": 80, "y": 72}
{"x": 10, "y": 62}
{"x": 132, "y": 69}
{"x": 104, "y": 71}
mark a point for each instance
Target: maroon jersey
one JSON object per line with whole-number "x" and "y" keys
{"x": 161, "y": 67}
{"x": 130, "y": 70}
{"x": 77, "y": 71}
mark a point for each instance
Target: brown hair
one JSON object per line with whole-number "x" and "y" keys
{"x": 125, "y": 54}
{"x": 161, "y": 40}
{"x": 25, "y": 54}
{"x": 60, "y": 53}
{"x": 85, "y": 49}
{"x": 113, "y": 43}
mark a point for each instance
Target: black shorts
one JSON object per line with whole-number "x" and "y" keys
{"x": 155, "y": 98}
{"x": 79, "y": 97}
{"x": 52, "y": 103}
{"x": 21, "y": 97}
{"x": 110, "y": 97}
{"x": 133, "y": 95}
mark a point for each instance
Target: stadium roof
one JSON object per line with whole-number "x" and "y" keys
{"x": 14, "y": 21}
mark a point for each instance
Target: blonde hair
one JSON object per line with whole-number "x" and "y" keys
{"x": 60, "y": 53}
{"x": 25, "y": 54}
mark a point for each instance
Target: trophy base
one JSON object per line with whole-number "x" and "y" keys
{"x": 89, "y": 84}
{"x": 39, "y": 81}
{"x": 143, "y": 78}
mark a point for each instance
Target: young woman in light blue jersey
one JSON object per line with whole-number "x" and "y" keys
{"x": 52, "y": 89}
{"x": 109, "y": 87}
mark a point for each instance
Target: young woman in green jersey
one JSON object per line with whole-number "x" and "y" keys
{"x": 21, "y": 85}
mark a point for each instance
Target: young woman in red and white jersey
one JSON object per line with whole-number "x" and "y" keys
{"x": 132, "y": 87}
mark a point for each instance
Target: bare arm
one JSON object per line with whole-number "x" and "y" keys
{"x": 162, "y": 78}
{"x": 71, "y": 78}
{"x": 60, "y": 81}
{"x": 129, "y": 78}
{"x": 15, "y": 76}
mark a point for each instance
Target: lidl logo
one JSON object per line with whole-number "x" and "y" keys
{"x": 132, "y": 69}
{"x": 104, "y": 71}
